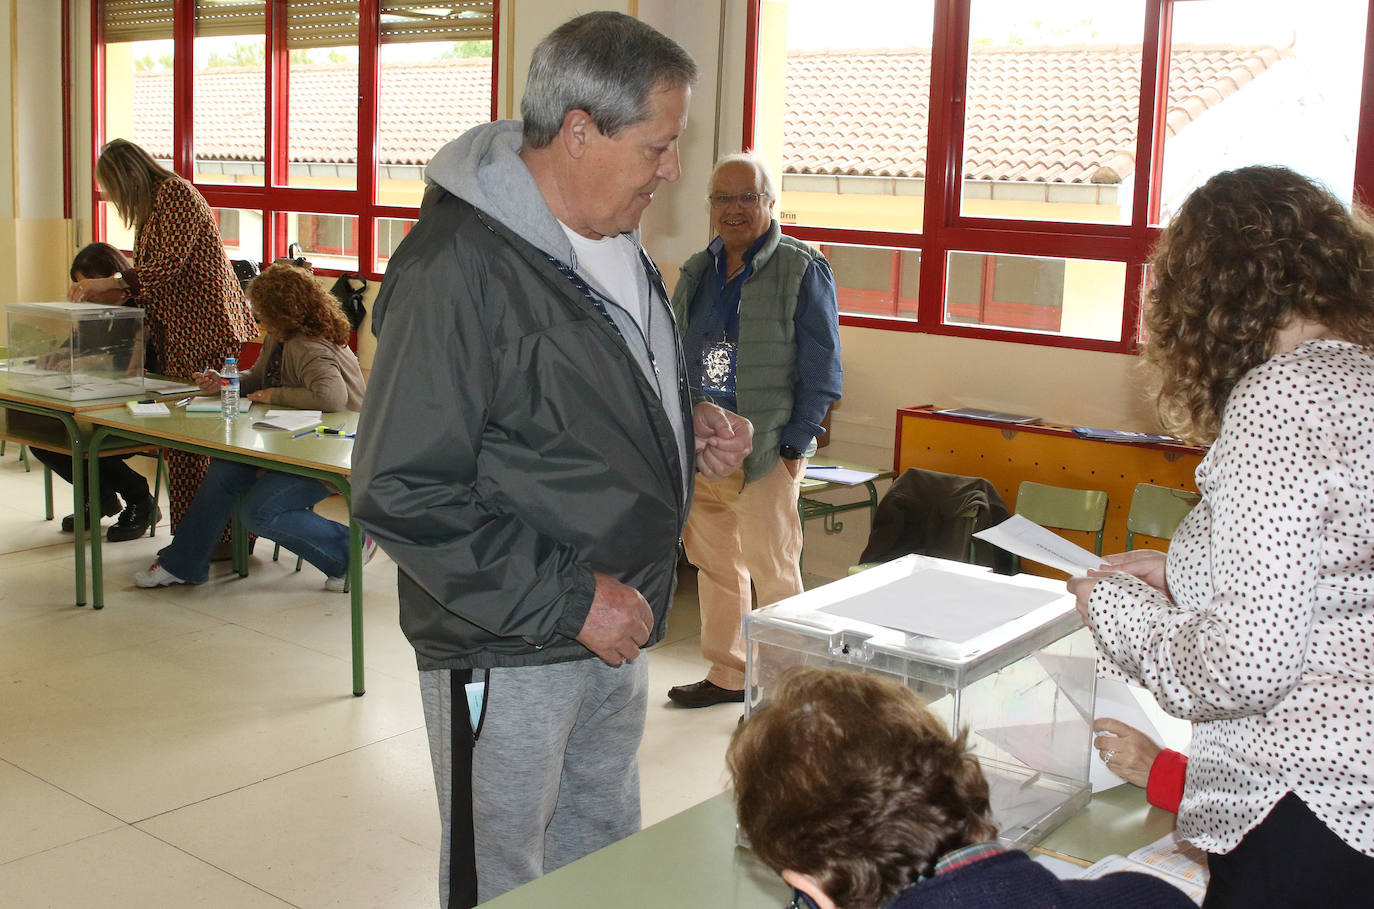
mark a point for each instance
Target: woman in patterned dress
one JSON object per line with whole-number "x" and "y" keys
{"x": 196, "y": 312}
{"x": 1258, "y": 626}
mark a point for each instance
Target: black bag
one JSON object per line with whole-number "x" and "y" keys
{"x": 245, "y": 270}
{"x": 351, "y": 298}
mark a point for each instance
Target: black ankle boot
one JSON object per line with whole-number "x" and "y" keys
{"x": 134, "y": 520}
{"x": 109, "y": 505}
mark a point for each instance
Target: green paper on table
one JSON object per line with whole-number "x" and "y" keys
{"x": 211, "y": 405}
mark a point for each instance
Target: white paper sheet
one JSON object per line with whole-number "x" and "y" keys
{"x": 169, "y": 387}
{"x": 1029, "y": 540}
{"x": 287, "y": 419}
{"x": 1116, "y": 700}
{"x": 841, "y": 475}
{"x": 1052, "y": 747}
{"x": 943, "y": 605}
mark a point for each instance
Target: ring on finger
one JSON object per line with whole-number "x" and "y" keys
{"x": 1108, "y": 755}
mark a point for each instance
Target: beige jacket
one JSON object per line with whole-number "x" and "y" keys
{"x": 316, "y": 375}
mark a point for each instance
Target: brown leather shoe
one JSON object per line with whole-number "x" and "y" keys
{"x": 704, "y": 694}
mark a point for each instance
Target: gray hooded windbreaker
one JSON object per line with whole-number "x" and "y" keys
{"x": 513, "y": 438}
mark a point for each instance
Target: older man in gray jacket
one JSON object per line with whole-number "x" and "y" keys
{"x": 526, "y": 453}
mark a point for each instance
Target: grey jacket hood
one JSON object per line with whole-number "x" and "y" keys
{"x": 483, "y": 167}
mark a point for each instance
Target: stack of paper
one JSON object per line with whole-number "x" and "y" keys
{"x": 288, "y": 419}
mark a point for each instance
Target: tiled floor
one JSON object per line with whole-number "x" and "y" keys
{"x": 200, "y": 746}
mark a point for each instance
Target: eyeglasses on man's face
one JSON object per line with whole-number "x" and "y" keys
{"x": 747, "y": 200}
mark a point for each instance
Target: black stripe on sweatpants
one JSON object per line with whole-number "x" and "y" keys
{"x": 462, "y": 873}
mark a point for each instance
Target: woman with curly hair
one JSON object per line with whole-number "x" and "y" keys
{"x": 850, "y": 788}
{"x": 1258, "y": 626}
{"x": 304, "y": 363}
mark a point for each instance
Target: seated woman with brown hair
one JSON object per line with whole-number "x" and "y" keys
{"x": 304, "y": 363}
{"x": 851, "y": 789}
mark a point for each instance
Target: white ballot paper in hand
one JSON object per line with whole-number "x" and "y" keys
{"x": 1029, "y": 540}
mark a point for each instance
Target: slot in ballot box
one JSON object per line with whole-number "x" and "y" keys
{"x": 75, "y": 351}
{"x": 1007, "y": 658}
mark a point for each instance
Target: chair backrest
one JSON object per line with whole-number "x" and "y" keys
{"x": 1156, "y": 511}
{"x": 1063, "y": 508}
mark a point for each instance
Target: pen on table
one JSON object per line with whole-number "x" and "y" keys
{"x": 822, "y": 467}
{"x": 182, "y": 401}
{"x": 305, "y": 432}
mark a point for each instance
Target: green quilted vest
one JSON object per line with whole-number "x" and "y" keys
{"x": 767, "y": 344}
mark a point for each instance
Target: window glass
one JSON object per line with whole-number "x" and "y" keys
{"x": 1263, "y": 82}
{"x": 230, "y": 102}
{"x": 1053, "y": 104}
{"x": 434, "y": 83}
{"x": 390, "y": 233}
{"x": 841, "y": 115}
{"x": 241, "y": 231}
{"x": 875, "y": 281}
{"x": 328, "y": 241}
{"x": 322, "y": 91}
{"x": 1077, "y": 297}
{"x": 138, "y": 88}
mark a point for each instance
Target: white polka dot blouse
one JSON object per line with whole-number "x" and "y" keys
{"x": 1265, "y": 638}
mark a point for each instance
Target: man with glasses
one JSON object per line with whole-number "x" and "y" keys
{"x": 760, "y": 329}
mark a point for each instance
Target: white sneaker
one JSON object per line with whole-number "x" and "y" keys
{"x": 156, "y": 576}
{"x": 339, "y": 584}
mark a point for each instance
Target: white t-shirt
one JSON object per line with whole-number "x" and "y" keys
{"x": 611, "y": 265}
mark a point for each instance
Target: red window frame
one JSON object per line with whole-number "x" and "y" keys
{"x": 946, "y": 229}
{"x": 273, "y": 198}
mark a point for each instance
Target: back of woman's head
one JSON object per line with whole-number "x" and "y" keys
{"x": 99, "y": 260}
{"x": 1250, "y": 250}
{"x": 852, "y": 780}
{"x": 296, "y": 305}
{"x": 130, "y": 178}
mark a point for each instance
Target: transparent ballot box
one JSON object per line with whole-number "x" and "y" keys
{"x": 75, "y": 351}
{"x": 1007, "y": 658}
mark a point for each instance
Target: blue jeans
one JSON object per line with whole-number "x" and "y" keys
{"x": 275, "y": 506}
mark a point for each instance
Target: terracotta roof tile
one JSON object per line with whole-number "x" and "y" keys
{"x": 1064, "y": 115}
{"x": 1061, "y": 114}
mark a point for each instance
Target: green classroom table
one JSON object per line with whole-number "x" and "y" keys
{"x": 690, "y": 861}
{"x": 326, "y": 458}
{"x": 71, "y": 434}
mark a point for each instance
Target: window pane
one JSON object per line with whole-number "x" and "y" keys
{"x": 138, "y": 82}
{"x": 1254, "y": 82}
{"x": 1053, "y": 108}
{"x": 875, "y": 281}
{"x": 241, "y": 231}
{"x": 1078, "y": 298}
{"x": 328, "y": 241}
{"x": 843, "y": 117}
{"x": 429, "y": 91}
{"x": 390, "y": 232}
{"x": 322, "y": 80}
{"x": 230, "y": 67}
{"x": 116, "y": 234}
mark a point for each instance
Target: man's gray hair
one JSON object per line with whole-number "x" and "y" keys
{"x": 605, "y": 63}
{"x": 769, "y": 185}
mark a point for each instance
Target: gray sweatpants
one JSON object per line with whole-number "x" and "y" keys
{"x": 554, "y": 773}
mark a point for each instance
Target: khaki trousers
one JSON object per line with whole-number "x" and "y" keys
{"x": 734, "y": 536}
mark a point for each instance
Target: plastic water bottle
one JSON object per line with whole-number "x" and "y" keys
{"x": 229, "y": 389}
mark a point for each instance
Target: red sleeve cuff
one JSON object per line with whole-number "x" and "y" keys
{"x": 1164, "y": 788}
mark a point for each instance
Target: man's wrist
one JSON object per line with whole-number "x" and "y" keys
{"x": 789, "y": 453}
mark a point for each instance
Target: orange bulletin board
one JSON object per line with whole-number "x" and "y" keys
{"x": 1045, "y": 453}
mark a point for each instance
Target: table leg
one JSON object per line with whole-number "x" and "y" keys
{"x": 355, "y": 587}
{"x": 97, "y": 558}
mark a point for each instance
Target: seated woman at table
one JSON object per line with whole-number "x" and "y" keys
{"x": 117, "y": 479}
{"x": 850, "y": 788}
{"x": 1140, "y": 761}
{"x": 1257, "y": 625}
{"x": 304, "y": 363}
